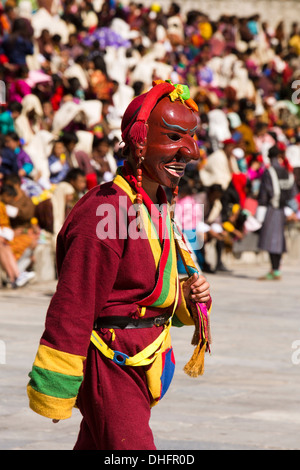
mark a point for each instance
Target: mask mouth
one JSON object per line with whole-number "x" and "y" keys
{"x": 176, "y": 169}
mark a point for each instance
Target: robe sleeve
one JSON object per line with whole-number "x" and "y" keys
{"x": 86, "y": 277}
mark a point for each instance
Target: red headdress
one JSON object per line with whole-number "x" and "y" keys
{"x": 134, "y": 123}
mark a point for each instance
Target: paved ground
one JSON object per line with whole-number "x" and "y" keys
{"x": 248, "y": 398}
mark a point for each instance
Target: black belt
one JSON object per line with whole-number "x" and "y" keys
{"x": 130, "y": 323}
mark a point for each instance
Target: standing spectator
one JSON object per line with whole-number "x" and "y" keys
{"x": 276, "y": 191}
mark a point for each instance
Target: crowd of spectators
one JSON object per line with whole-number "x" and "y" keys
{"x": 70, "y": 68}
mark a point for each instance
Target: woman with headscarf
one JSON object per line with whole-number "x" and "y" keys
{"x": 28, "y": 124}
{"x": 277, "y": 189}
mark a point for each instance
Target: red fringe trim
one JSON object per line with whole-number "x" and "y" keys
{"x": 138, "y": 132}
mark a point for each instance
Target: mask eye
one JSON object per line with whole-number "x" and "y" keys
{"x": 174, "y": 137}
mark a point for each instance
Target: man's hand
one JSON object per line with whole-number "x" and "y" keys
{"x": 196, "y": 289}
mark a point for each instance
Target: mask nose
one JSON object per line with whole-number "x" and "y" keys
{"x": 189, "y": 149}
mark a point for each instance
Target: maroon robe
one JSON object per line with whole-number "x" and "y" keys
{"x": 104, "y": 277}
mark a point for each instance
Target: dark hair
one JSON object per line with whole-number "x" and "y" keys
{"x": 15, "y": 106}
{"x": 273, "y": 152}
{"x": 69, "y": 137}
{"x": 8, "y": 189}
{"x": 215, "y": 188}
{"x": 13, "y": 135}
{"x": 73, "y": 174}
{"x": 98, "y": 140}
{"x": 175, "y": 7}
{"x": 12, "y": 178}
{"x": 100, "y": 64}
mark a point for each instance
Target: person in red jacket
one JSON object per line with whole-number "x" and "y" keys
{"x": 106, "y": 346}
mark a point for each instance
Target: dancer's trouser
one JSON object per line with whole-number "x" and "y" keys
{"x": 115, "y": 404}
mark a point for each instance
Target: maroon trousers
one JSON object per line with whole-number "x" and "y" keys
{"x": 115, "y": 404}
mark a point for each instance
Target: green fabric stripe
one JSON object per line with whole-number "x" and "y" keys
{"x": 176, "y": 322}
{"x": 167, "y": 273}
{"x": 54, "y": 384}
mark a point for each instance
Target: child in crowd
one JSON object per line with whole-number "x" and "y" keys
{"x": 24, "y": 162}
{"x": 58, "y": 164}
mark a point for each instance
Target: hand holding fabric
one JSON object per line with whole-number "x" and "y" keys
{"x": 196, "y": 289}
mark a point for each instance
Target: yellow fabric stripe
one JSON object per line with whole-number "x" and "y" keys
{"x": 58, "y": 361}
{"x": 153, "y": 240}
{"x": 151, "y": 233}
{"x": 50, "y": 407}
{"x": 143, "y": 357}
{"x": 140, "y": 359}
{"x": 152, "y": 236}
{"x": 122, "y": 183}
{"x": 182, "y": 312}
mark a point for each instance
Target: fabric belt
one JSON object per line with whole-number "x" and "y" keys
{"x": 131, "y": 323}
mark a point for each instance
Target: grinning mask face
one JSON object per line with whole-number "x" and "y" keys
{"x": 170, "y": 142}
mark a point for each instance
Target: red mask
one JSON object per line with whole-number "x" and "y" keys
{"x": 170, "y": 142}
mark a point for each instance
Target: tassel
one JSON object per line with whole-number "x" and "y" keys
{"x": 201, "y": 339}
{"x": 138, "y": 133}
{"x": 196, "y": 315}
{"x": 195, "y": 366}
{"x": 209, "y": 337}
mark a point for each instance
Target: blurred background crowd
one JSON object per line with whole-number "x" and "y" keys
{"x": 69, "y": 69}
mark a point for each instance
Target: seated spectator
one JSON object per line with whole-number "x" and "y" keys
{"x": 188, "y": 214}
{"x": 76, "y": 158}
{"x": 77, "y": 179}
{"x": 8, "y": 161}
{"x": 52, "y": 212}
{"x": 58, "y": 164}
{"x": 25, "y": 165}
{"x": 28, "y": 123}
{"x": 234, "y": 225}
{"x": 19, "y": 87}
{"x": 22, "y": 206}
{"x": 18, "y": 44}
{"x": 103, "y": 161}
{"x": 12, "y": 247}
{"x": 210, "y": 229}
{"x": 7, "y": 118}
